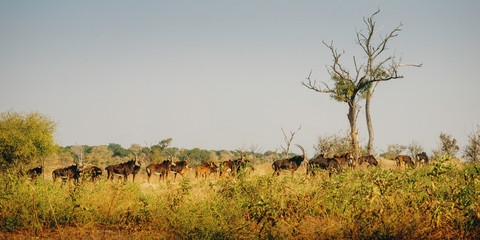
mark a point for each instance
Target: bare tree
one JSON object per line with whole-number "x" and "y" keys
{"x": 254, "y": 148}
{"x": 288, "y": 140}
{"x": 377, "y": 67}
{"x": 348, "y": 86}
{"x": 79, "y": 151}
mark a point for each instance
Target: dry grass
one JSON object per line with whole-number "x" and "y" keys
{"x": 437, "y": 201}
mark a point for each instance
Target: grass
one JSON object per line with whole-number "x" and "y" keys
{"x": 439, "y": 201}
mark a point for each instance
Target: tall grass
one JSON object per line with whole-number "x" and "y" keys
{"x": 437, "y": 201}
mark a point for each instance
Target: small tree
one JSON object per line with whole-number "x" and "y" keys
{"x": 472, "y": 150}
{"x": 25, "y": 137}
{"x": 254, "y": 149}
{"x": 393, "y": 150}
{"x": 79, "y": 152}
{"x": 331, "y": 144}
{"x": 414, "y": 148}
{"x": 288, "y": 140}
{"x": 448, "y": 145}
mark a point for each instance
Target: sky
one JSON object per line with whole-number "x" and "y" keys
{"x": 227, "y": 74}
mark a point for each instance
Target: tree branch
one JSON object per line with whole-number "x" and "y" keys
{"x": 313, "y": 85}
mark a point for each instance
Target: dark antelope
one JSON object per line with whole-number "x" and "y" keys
{"x": 68, "y": 173}
{"x": 32, "y": 173}
{"x": 369, "y": 159}
{"x": 93, "y": 172}
{"x": 234, "y": 166}
{"x": 321, "y": 162}
{"x": 124, "y": 169}
{"x": 180, "y": 167}
{"x": 291, "y": 164}
{"x": 422, "y": 158}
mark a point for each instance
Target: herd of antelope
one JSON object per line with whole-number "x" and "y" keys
{"x": 230, "y": 167}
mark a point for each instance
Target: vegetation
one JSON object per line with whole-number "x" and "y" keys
{"x": 447, "y": 145}
{"x": 438, "y": 201}
{"x": 332, "y": 144}
{"x": 24, "y": 138}
{"x": 393, "y": 150}
{"x": 472, "y": 150}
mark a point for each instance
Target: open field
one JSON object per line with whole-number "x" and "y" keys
{"x": 439, "y": 201}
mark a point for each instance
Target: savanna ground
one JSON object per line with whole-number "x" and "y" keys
{"x": 439, "y": 201}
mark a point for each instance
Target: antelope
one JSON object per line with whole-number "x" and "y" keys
{"x": 291, "y": 164}
{"x": 32, "y": 173}
{"x": 160, "y": 169}
{"x": 123, "y": 169}
{"x": 69, "y": 173}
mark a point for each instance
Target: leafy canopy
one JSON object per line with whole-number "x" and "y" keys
{"x": 25, "y": 137}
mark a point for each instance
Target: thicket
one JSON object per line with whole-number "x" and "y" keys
{"x": 438, "y": 201}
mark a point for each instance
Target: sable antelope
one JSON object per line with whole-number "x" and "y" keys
{"x": 234, "y": 166}
{"x": 136, "y": 169}
{"x": 369, "y": 159}
{"x": 422, "y": 158}
{"x": 69, "y": 173}
{"x": 92, "y": 172}
{"x": 160, "y": 169}
{"x": 209, "y": 164}
{"x": 243, "y": 165}
{"x": 344, "y": 159}
{"x": 180, "y": 167}
{"x": 405, "y": 159}
{"x": 226, "y": 166}
{"x": 123, "y": 169}
{"x": 321, "y": 162}
{"x": 32, "y": 173}
{"x": 291, "y": 164}
{"x": 206, "y": 169}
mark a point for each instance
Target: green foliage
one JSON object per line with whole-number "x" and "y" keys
{"x": 344, "y": 88}
{"x": 118, "y": 150}
{"x": 24, "y": 137}
{"x": 195, "y": 156}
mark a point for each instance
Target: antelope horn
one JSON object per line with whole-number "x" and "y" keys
{"x": 301, "y": 148}
{"x": 170, "y": 155}
{"x": 136, "y": 158}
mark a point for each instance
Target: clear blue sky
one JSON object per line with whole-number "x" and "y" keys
{"x": 227, "y": 74}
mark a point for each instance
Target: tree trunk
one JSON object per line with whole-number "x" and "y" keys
{"x": 352, "y": 118}
{"x": 369, "y": 123}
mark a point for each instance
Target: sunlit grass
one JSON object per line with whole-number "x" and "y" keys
{"x": 437, "y": 201}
